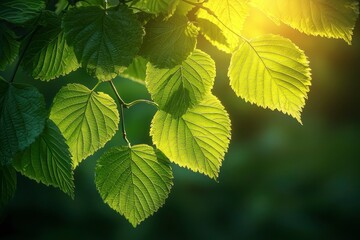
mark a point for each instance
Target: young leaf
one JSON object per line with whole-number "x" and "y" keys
{"x": 332, "y": 19}
{"x": 198, "y": 139}
{"x": 48, "y": 160}
{"x": 105, "y": 41}
{"x": 87, "y": 119}
{"x": 9, "y": 47}
{"x": 169, "y": 42}
{"x": 48, "y": 56}
{"x": 177, "y": 89}
{"x": 271, "y": 72}
{"x": 20, "y": 11}
{"x": 231, "y": 14}
{"x": 22, "y": 118}
{"x": 157, "y": 6}
{"x": 134, "y": 181}
{"x": 136, "y": 71}
{"x": 7, "y": 184}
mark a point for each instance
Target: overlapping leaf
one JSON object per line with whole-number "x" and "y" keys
{"x": 177, "y": 89}
{"x": 157, "y": 6}
{"x": 197, "y": 140}
{"x": 134, "y": 181}
{"x": 48, "y": 56}
{"x": 20, "y": 11}
{"x": 332, "y": 19}
{"x": 7, "y": 184}
{"x": 230, "y": 18}
{"x": 9, "y": 47}
{"x": 271, "y": 72}
{"x": 136, "y": 71}
{"x": 22, "y": 118}
{"x": 105, "y": 41}
{"x": 87, "y": 119}
{"x": 48, "y": 160}
{"x": 169, "y": 42}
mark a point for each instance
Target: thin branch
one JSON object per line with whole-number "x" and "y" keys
{"x": 133, "y": 103}
{"x": 122, "y": 102}
{"x": 123, "y": 128}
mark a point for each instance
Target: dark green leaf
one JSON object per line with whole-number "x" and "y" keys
{"x": 7, "y": 184}
{"x": 20, "y": 11}
{"x": 105, "y": 41}
{"x": 22, "y": 118}
{"x": 9, "y": 47}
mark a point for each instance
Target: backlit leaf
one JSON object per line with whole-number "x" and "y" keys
{"x": 332, "y": 19}
{"x": 177, "y": 89}
{"x": 48, "y": 160}
{"x": 197, "y": 140}
{"x": 87, "y": 119}
{"x": 134, "y": 181}
{"x": 48, "y": 56}
{"x": 271, "y": 72}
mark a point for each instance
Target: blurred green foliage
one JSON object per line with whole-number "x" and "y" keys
{"x": 279, "y": 180}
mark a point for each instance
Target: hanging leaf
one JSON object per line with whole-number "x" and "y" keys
{"x": 230, "y": 18}
{"x": 22, "y": 118}
{"x": 332, "y": 19}
{"x": 177, "y": 89}
{"x": 87, "y": 119}
{"x": 48, "y": 56}
{"x": 48, "y": 160}
{"x": 197, "y": 140}
{"x": 105, "y": 41}
{"x": 168, "y": 42}
{"x": 271, "y": 72}
{"x": 134, "y": 181}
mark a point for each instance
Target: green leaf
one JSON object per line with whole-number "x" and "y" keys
{"x": 48, "y": 56}
{"x": 177, "y": 89}
{"x": 183, "y": 8}
{"x": 197, "y": 140}
{"x": 332, "y": 19}
{"x": 157, "y": 6}
{"x": 136, "y": 71}
{"x": 22, "y": 118}
{"x": 7, "y": 184}
{"x": 20, "y": 11}
{"x": 105, "y": 41}
{"x": 48, "y": 160}
{"x": 169, "y": 42}
{"x": 134, "y": 181}
{"x": 213, "y": 33}
{"x": 9, "y": 47}
{"x": 87, "y": 119}
{"x": 230, "y": 14}
{"x": 271, "y": 72}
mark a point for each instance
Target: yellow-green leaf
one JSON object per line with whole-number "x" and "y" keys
{"x": 326, "y": 18}
{"x": 271, "y": 72}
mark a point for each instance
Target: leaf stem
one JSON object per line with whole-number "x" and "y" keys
{"x": 123, "y": 128}
{"x": 133, "y": 103}
{"x": 122, "y": 102}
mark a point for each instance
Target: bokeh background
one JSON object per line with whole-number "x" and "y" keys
{"x": 279, "y": 180}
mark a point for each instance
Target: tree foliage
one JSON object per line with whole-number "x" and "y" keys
{"x": 153, "y": 42}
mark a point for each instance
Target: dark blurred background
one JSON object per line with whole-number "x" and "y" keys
{"x": 279, "y": 180}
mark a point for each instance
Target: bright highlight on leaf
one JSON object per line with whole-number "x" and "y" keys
{"x": 136, "y": 71}
{"x": 230, "y": 14}
{"x": 177, "y": 89}
{"x": 326, "y": 18}
{"x": 271, "y": 72}
{"x": 197, "y": 140}
{"x": 134, "y": 181}
{"x": 7, "y": 184}
{"x": 20, "y": 11}
{"x": 48, "y": 160}
{"x": 157, "y": 6}
{"x": 169, "y": 42}
{"x": 48, "y": 55}
{"x": 87, "y": 119}
{"x": 22, "y": 118}
{"x": 105, "y": 41}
